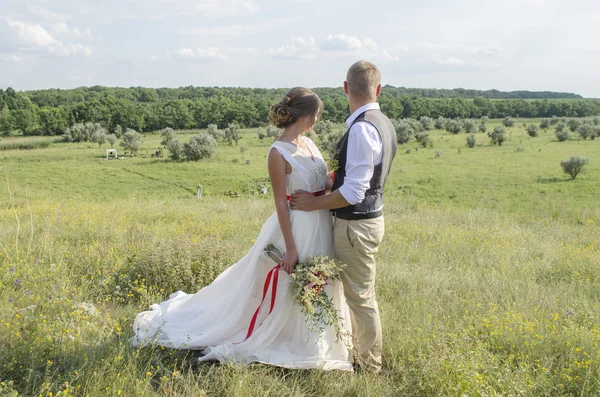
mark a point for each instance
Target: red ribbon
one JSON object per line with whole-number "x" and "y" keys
{"x": 274, "y": 274}
{"x": 316, "y": 194}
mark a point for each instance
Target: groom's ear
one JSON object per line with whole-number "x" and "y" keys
{"x": 346, "y": 87}
{"x": 378, "y": 91}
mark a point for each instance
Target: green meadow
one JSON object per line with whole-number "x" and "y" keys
{"x": 488, "y": 280}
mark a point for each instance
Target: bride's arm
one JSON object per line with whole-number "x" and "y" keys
{"x": 277, "y": 171}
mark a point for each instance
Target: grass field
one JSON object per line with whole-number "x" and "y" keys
{"x": 488, "y": 283}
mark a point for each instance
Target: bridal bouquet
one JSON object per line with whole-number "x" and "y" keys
{"x": 308, "y": 290}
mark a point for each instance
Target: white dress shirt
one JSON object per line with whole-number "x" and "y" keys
{"x": 365, "y": 151}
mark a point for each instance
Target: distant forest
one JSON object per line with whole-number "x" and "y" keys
{"x": 52, "y": 111}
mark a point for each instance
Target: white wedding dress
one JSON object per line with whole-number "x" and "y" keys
{"x": 216, "y": 319}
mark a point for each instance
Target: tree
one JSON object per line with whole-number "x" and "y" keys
{"x": 214, "y": 131}
{"x": 508, "y": 122}
{"x": 323, "y": 127}
{"x": 574, "y": 165}
{"x": 111, "y": 138}
{"x": 175, "y": 148}
{"x": 199, "y": 147}
{"x": 532, "y": 130}
{"x": 99, "y": 137}
{"x": 167, "y": 134}
{"x": 51, "y": 121}
{"x": 497, "y": 135}
{"x": 6, "y": 121}
{"x": 232, "y": 134}
{"x": 586, "y": 131}
{"x": 132, "y": 141}
{"x": 573, "y": 124}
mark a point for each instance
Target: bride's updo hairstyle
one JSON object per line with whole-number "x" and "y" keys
{"x": 297, "y": 103}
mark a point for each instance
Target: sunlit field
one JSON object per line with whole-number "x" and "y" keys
{"x": 488, "y": 277}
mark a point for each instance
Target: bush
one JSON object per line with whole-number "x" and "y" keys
{"x": 469, "y": 126}
{"x": 261, "y": 133}
{"x": 545, "y": 124}
{"x": 243, "y": 148}
{"x": 497, "y": 136}
{"x": 323, "y": 127}
{"x": 554, "y": 120}
{"x": 232, "y": 134}
{"x": 329, "y": 142}
{"x": 483, "y": 124}
{"x": 438, "y": 154}
{"x": 440, "y": 122}
{"x": 453, "y": 126}
{"x": 175, "y": 148}
{"x": 573, "y": 124}
{"x": 215, "y": 132}
{"x": 132, "y": 141}
{"x": 471, "y": 140}
{"x": 426, "y": 123}
{"x": 99, "y": 137}
{"x": 167, "y": 134}
{"x": 273, "y": 132}
{"x": 111, "y": 138}
{"x": 508, "y": 122}
{"x": 424, "y": 139}
{"x": 199, "y": 147}
{"x": 532, "y": 130}
{"x": 561, "y": 126}
{"x": 561, "y": 134}
{"x": 574, "y": 165}
{"x": 596, "y": 120}
{"x": 83, "y": 132}
{"x": 404, "y": 131}
{"x": 586, "y": 131}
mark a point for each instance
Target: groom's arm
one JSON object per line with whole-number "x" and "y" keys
{"x": 364, "y": 146}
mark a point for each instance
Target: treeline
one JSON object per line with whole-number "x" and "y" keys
{"x": 51, "y": 112}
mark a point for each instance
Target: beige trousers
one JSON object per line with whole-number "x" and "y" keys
{"x": 355, "y": 243}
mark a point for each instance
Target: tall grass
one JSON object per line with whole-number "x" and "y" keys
{"x": 25, "y": 143}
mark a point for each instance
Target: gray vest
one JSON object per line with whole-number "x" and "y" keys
{"x": 373, "y": 201}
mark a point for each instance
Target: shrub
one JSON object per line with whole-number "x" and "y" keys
{"x": 167, "y": 134}
{"x": 438, "y": 154}
{"x": 261, "y": 133}
{"x": 404, "y": 131}
{"x": 471, "y": 140}
{"x": 132, "y": 141}
{"x": 469, "y": 126}
{"x": 426, "y": 123}
{"x": 424, "y": 139}
{"x": 323, "y": 127}
{"x": 98, "y": 136}
{"x": 111, "y": 138}
{"x": 232, "y": 134}
{"x": 175, "y": 148}
{"x": 586, "y": 131}
{"x": 554, "y": 120}
{"x": 214, "y": 131}
{"x": 329, "y": 142}
{"x": 508, "y": 122}
{"x": 199, "y": 147}
{"x": 532, "y": 130}
{"x": 82, "y": 132}
{"x": 497, "y": 136}
{"x": 248, "y": 162}
{"x": 573, "y": 124}
{"x": 453, "y": 126}
{"x": 483, "y": 124}
{"x": 596, "y": 120}
{"x": 561, "y": 126}
{"x": 440, "y": 122}
{"x": 243, "y": 148}
{"x": 273, "y": 132}
{"x": 561, "y": 134}
{"x": 574, "y": 165}
{"x": 545, "y": 124}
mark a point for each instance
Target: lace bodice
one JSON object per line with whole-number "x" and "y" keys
{"x": 308, "y": 173}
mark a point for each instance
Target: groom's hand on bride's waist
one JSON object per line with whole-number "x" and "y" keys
{"x": 303, "y": 201}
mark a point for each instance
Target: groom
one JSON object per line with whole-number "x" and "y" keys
{"x": 364, "y": 155}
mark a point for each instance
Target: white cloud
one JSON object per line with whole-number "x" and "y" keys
{"x": 342, "y": 42}
{"x": 200, "y": 54}
{"x": 12, "y": 58}
{"x": 239, "y": 30}
{"x": 32, "y": 34}
{"x": 448, "y": 61}
{"x": 301, "y": 48}
{"x": 221, "y": 8}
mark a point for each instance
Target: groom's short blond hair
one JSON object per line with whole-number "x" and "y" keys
{"x": 363, "y": 79}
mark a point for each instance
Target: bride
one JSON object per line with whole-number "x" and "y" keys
{"x": 220, "y": 318}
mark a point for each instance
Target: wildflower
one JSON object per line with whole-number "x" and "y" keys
{"x": 17, "y": 282}
{"x": 11, "y": 270}
{"x": 10, "y": 300}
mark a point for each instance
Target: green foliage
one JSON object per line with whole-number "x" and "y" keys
{"x": 132, "y": 141}
{"x": 175, "y": 148}
{"x": 199, "y": 147}
{"x": 323, "y": 127}
{"x": 261, "y": 133}
{"x": 586, "y": 131}
{"x": 214, "y": 131}
{"x": 554, "y": 120}
{"x": 6, "y": 121}
{"x": 51, "y": 121}
{"x": 471, "y": 141}
{"x": 508, "y": 122}
{"x": 497, "y": 135}
{"x": 574, "y": 165}
{"x": 469, "y": 126}
{"x": 545, "y": 124}
{"x": 99, "y": 137}
{"x": 596, "y": 120}
{"x": 532, "y": 130}
{"x": 573, "y": 124}
{"x": 440, "y": 122}
{"x": 83, "y": 132}
{"x": 166, "y": 135}
{"x": 405, "y": 130}
{"x": 453, "y": 126}
{"x": 232, "y": 134}
{"x": 111, "y": 138}
{"x": 25, "y": 144}
{"x": 423, "y": 139}
{"x": 273, "y": 132}
{"x": 328, "y": 142}
{"x": 561, "y": 134}
{"x": 426, "y": 123}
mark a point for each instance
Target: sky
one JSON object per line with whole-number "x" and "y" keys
{"x": 481, "y": 44}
